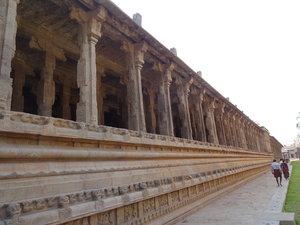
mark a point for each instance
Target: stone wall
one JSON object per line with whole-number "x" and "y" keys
{"x": 101, "y": 124}
{"x": 55, "y": 170}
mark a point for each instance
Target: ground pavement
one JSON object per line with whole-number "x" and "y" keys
{"x": 260, "y": 202}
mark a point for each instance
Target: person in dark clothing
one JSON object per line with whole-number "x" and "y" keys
{"x": 285, "y": 169}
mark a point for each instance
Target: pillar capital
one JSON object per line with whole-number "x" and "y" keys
{"x": 99, "y": 14}
{"x": 213, "y": 103}
{"x": 165, "y": 69}
{"x": 219, "y": 107}
{"x": 91, "y": 22}
{"x": 139, "y": 50}
{"x": 127, "y": 46}
{"x": 184, "y": 84}
{"x": 194, "y": 91}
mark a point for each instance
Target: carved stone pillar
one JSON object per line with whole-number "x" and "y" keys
{"x": 233, "y": 128}
{"x": 254, "y": 146}
{"x": 238, "y": 130}
{"x": 192, "y": 116}
{"x": 266, "y": 140}
{"x": 164, "y": 102}
{"x": 209, "y": 107}
{"x": 88, "y": 34}
{"x": 242, "y": 132}
{"x": 257, "y": 138}
{"x": 227, "y": 130}
{"x": 219, "y": 111}
{"x": 248, "y": 138}
{"x": 260, "y": 143}
{"x": 183, "y": 89}
{"x": 198, "y": 125}
{"x": 263, "y": 142}
{"x": 134, "y": 64}
{"x": 200, "y": 119}
{"x": 8, "y": 29}
{"x": 149, "y": 111}
{"x": 46, "y": 86}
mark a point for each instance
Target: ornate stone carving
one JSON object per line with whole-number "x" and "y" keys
{"x": 72, "y": 198}
{"x": 106, "y": 218}
{"x": 148, "y": 206}
{"x": 50, "y": 201}
{"x": 130, "y": 212}
{"x": 40, "y": 204}
{"x": 26, "y": 206}
{"x": 14, "y": 211}
{"x": 184, "y": 193}
{"x": 163, "y": 201}
{"x": 175, "y": 197}
{"x": 66, "y": 212}
{"x": 80, "y": 197}
{"x": 84, "y": 221}
{"x": 99, "y": 195}
{"x": 150, "y": 184}
{"x": 123, "y": 189}
{"x": 115, "y": 190}
{"x": 193, "y": 191}
{"x": 108, "y": 192}
{"x": 143, "y": 185}
{"x": 171, "y": 181}
{"x": 88, "y": 195}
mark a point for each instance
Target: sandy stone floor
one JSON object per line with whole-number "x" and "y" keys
{"x": 258, "y": 202}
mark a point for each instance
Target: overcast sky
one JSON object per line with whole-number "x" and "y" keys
{"x": 247, "y": 50}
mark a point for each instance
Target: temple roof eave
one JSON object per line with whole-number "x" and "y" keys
{"x": 122, "y": 16}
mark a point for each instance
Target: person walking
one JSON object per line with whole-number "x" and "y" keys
{"x": 281, "y": 160}
{"x": 285, "y": 169}
{"x": 276, "y": 171}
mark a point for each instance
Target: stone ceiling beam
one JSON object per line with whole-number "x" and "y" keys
{"x": 34, "y": 30}
{"x": 112, "y": 66}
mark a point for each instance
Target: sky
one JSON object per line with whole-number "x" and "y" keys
{"x": 248, "y": 50}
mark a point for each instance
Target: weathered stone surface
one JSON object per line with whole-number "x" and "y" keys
{"x": 101, "y": 124}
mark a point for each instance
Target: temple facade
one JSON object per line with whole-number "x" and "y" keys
{"x": 102, "y": 124}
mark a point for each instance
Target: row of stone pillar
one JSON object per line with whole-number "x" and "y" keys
{"x": 212, "y": 122}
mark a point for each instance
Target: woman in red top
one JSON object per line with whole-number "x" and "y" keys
{"x": 285, "y": 170}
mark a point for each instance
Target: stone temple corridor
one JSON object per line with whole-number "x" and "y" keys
{"x": 102, "y": 124}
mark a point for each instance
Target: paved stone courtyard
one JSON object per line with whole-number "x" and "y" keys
{"x": 260, "y": 202}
